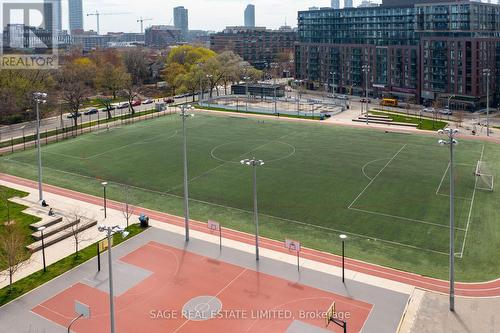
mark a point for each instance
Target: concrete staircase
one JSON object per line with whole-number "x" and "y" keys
{"x": 381, "y": 119}
{"x": 57, "y": 227}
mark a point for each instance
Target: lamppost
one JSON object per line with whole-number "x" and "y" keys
{"x": 450, "y": 141}
{"x": 333, "y": 83}
{"x": 246, "y": 78}
{"x": 297, "y": 85}
{"x": 41, "y": 229}
{"x": 366, "y": 70}
{"x": 104, "y": 184}
{"x": 487, "y": 73}
{"x": 184, "y": 109}
{"x": 109, "y": 233}
{"x": 254, "y": 163}
{"x": 343, "y": 238}
{"x": 39, "y": 97}
{"x": 448, "y": 105}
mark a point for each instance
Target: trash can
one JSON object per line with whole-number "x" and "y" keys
{"x": 144, "y": 220}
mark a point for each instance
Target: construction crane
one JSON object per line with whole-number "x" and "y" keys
{"x": 142, "y": 22}
{"x": 97, "y": 15}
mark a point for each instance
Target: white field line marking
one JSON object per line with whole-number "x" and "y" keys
{"x": 367, "y": 164}
{"x": 405, "y": 218}
{"x": 470, "y": 210}
{"x": 213, "y": 297}
{"x": 226, "y": 162}
{"x": 442, "y": 179}
{"x": 240, "y": 210}
{"x": 371, "y": 182}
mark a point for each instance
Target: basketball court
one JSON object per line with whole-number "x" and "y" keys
{"x": 163, "y": 285}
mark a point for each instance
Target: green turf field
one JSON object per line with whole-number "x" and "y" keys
{"x": 387, "y": 191}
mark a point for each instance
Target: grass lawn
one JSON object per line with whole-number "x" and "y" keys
{"x": 38, "y": 278}
{"x": 423, "y": 124}
{"x": 386, "y": 191}
{"x": 15, "y": 215}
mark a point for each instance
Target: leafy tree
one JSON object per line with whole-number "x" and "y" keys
{"x": 136, "y": 65}
{"x": 75, "y": 81}
{"x": 12, "y": 250}
{"x": 111, "y": 78}
{"x": 172, "y": 74}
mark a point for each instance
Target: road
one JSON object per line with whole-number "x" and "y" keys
{"x": 52, "y": 123}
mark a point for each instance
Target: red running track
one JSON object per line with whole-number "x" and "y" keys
{"x": 251, "y": 301}
{"x": 480, "y": 289}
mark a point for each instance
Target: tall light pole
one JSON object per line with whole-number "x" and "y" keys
{"x": 343, "y": 238}
{"x": 39, "y": 97}
{"x": 450, "y": 141}
{"x": 109, "y": 233}
{"x": 184, "y": 114}
{"x": 255, "y": 163}
{"x": 41, "y": 229}
{"x": 366, "y": 70}
{"x": 104, "y": 185}
{"x": 487, "y": 73}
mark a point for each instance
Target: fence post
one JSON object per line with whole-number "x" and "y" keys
{"x": 12, "y": 144}
{"x": 24, "y": 142}
{"x": 46, "y": 138}
{"x": 57, "y": 135}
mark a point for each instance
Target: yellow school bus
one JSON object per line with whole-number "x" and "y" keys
{"x": 389, "y": 102}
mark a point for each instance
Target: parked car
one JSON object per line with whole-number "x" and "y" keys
{"x": 91, "y": 111}
{"x": 169, "y": 100}
{"x": 429, "y": 110}
{"x": 136, "y": 102}
{"x": 445, "y": 111}
{"x": 72, "y": 115}
{"x": 110, "y": 108}
{"x": 147, "y": 101}
{"x": 343, "y": 97}
{"x": 122, "y": 105}
{"x": 365, "y": 100}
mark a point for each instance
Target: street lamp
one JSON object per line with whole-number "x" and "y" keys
{"x": 109, "y": 233}
{"x": 333, "y": 83}
{"x": 184, "y": 109}
{"x": 366, "y": 70}
{"x": 448, "y": 105}
{"x": 487, "y": 73}
{"x": 41, "y": 229}
{"x": 254, "y": 163}
{"x": 104, "y": 184}
{"x": 450, "y": 141}
{"x": 343, "y": 238}
{"x": 39, "y": 97}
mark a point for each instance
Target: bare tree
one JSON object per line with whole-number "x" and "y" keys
{"x": 76, "y": 229}
{"x": 12, "y": 249}
{"x": 130, "y": 92}
{"x": 127, "y": 209}
{"x": 459, "y": 116}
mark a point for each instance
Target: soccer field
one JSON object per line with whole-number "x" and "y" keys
{"x": 387, "y": 191}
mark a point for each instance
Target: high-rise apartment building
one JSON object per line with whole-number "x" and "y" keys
{"x": 335, "y": 4}
{"x": 181, "y": 20}
{"x": 54, "y": 18}
{"x": 75, "y": 10}
{"x": 417, "y": 50}
{"x": 348, "y": 4}
{"x": 250, "y": 16}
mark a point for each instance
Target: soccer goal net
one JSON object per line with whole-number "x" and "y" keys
{"x": 485, "y": 178}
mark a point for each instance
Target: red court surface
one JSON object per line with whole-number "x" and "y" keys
{"x": 251, "y": 301}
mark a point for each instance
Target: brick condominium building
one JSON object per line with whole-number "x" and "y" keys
{"x": 414, "y": 50}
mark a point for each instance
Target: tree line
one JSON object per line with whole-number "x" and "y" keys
{"x": 110, "y": 74}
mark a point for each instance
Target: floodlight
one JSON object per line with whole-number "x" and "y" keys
{"x": 440, "y": 131}
{"x": 442, "y": 142}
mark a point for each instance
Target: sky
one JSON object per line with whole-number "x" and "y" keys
{"x": 203, "y": 14}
